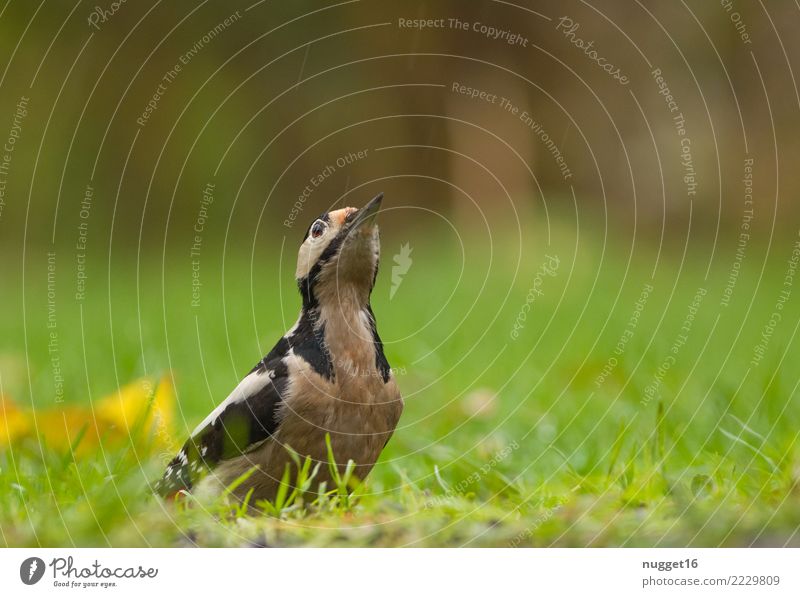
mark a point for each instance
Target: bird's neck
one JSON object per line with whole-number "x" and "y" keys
{"x": 347, "y": 330}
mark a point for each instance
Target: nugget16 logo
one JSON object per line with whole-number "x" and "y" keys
{"x": 31, "y": 571}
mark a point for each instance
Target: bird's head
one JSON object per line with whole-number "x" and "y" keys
{"x": 338, "y": 260}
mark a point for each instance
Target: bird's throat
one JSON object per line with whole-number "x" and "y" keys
{"x": 350, "y": 340}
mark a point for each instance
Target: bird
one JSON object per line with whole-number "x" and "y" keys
{"x": 327, "y": 377}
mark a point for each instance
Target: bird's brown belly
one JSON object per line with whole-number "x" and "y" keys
{"x": 358, "y": 432}
{"x": 359, "y": 429}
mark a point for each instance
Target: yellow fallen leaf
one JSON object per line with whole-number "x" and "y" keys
{"x": 139, "y": 411}
{"x": 13, "y": 422}
{"x": 130, "y": 407}
{"x": 60, "y": 427}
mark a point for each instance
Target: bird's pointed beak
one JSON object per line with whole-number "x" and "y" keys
{"x": 367, "y": 213}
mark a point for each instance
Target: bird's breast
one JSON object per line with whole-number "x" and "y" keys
{"x": 359, "y": 412}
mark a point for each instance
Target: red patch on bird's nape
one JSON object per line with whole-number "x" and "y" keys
{"x": 339, "y": 215}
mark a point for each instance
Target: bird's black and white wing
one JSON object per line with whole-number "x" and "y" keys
{"x": 241, "y": 422}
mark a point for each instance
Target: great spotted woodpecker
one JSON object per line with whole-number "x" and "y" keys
{"x": 326, "y": 375}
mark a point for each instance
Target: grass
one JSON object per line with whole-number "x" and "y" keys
{"x": 556, "y": 436}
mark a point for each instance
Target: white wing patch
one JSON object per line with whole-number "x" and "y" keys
{"x": 250, "y": 385}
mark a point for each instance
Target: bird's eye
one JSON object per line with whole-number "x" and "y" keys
{"x": 317, "y": 229}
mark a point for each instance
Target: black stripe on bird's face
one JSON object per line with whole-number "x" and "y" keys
{"x": 308, "y": 283}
